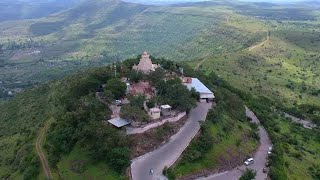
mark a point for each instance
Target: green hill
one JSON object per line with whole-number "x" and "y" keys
{"x": 103, "y": 31}
{"x": 17, "y": 10}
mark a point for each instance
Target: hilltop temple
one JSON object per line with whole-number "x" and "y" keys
{"x": 145, "y": 65}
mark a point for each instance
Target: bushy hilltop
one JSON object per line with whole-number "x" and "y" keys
{"x": 79, "y": 145}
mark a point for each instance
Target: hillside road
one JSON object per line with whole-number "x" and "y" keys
{"x": 167, "y": 154}
{"x": 260, "y": 158}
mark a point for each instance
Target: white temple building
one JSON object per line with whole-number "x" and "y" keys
{"x": 145, "y": 65}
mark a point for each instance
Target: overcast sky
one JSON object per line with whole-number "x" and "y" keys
{"x": 179, "y": 1}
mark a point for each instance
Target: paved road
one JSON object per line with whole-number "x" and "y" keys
{"x": 260, "y": 158}
{"x": 170, "y": 152}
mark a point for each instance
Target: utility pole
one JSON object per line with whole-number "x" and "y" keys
{"x": 115, "y": 70}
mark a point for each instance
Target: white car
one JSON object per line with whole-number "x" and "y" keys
{"x": 270, "y": 150}
{"x": 118, "y": 102}
{"x": 249, "y": 161}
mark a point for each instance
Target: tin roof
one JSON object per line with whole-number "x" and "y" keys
{"x": 198, "y": 86}
{"x": 118, "y": 122}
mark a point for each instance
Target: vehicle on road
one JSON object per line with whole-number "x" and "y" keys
{"x": 270, "y": 150}
{"x": 264, "y": 170}
{"x": 118, "y": 102}
{"x": 151, "y": 171}
{"x": 249, "y": 161}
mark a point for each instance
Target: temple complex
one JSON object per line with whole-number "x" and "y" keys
{"x": 145, "y": 65}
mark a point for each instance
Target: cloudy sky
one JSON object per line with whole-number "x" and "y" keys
{"x": 179, "y": 1}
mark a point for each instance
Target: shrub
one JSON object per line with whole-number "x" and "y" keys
{"x": 248, "y": 174}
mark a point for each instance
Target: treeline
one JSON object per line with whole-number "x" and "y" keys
{"x": 264, "y": 110}
{"x": 79, "y": 116}
{"x": 20, "y": 119}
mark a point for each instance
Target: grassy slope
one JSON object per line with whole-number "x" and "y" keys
{"x": 289, "y": 57}
{"x": 298, "y": 168}
{"x": 224, "y": 151}
{"x": 230, "y": 131}
{"x": 21, "y": 118}
{"x": 92, "y": 171}
{"x": 110, "y": 30}
{"x": 104, "y": 27}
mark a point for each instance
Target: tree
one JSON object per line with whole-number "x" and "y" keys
{"x": 195, "y": 94}
{"x": 172, "y": 92}
{"x": 120, "y": 158}
{"x": 248, "y": 174}
{"x": 109, "y": 96}
{"x": 157, "y": 75}
{"x": 135, "y": 76}
{"x": 117, "y": 87}
{"x": 137, "y": 101}
{"x": 133, "y": 113}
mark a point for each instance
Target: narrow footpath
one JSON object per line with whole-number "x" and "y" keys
{"x": 42, "y": 157}
{"x": 260, "y": 158}
{"x": 261, "y": 44}
{"x": 167, "y": 154}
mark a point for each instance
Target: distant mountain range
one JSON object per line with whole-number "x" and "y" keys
{"x": 29, "y": 9}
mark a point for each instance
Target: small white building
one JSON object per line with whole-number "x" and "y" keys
{"x": 205, "y": 93}
{"x": 166, "y": 110}
{"x": 154, "y": 113}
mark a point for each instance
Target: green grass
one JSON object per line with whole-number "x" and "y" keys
{"x": 269, "y": 69}
{"x": 298, "y": 168}
{"x": 222, "y": 151}
{"x": 93, "y": 171}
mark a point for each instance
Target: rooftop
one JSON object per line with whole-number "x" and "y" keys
{"x": 155, "y": 110}
{"x": 118, "y": 122}
{"x": 166, "y": 106}
{"x": 198, "y": 86}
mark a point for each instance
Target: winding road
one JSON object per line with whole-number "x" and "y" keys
{"x": 260, "y": 158}
{"x": 167, "y": 154}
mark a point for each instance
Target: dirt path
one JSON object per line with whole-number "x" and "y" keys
{"x": 249, "y": 49}
{"x": 200, "y": 63}
{"x": 305, "y": 123}
{"x": 43, "y": 160}
{"x": 261, "y": 44}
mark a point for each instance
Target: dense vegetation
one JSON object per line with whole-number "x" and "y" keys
{"x": 248, "y": 174}
{"x": 77, "y": 118}
{"x": 291, "y": 142}
{"x": 97, "y": 32}
{"x": 20, "y": 119}
{"x": 281, "y": 74}
{"x": 16, "y": 10}
{"x": 225, "y": 131}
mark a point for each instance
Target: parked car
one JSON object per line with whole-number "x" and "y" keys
{"x": 249, "y": 161}
{"x": 270, "y": 150}
{"x": 118, "y": 102}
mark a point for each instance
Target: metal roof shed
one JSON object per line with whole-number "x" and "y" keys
{"x": 118, "y": 122}
{"x": 205, "y": 93}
